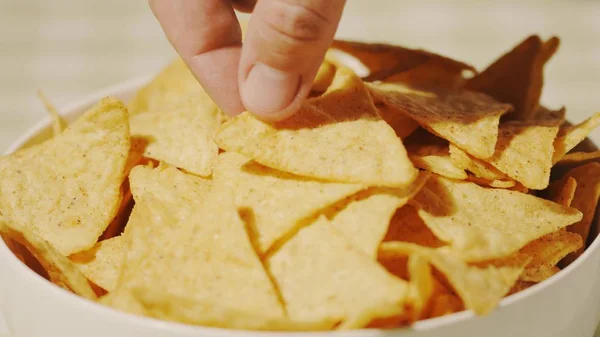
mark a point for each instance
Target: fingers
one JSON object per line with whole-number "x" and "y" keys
{"x": 284, "y": 47}
{"x": 207, "y": 35}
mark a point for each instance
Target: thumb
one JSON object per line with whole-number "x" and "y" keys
{"x": 285, "y": 44}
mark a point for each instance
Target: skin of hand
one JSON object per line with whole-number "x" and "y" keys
{"x": 271, "y": 73}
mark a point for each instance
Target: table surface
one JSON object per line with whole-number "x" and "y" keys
{"x": 68, "y": 49}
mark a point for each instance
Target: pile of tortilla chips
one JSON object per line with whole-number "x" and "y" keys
{"x": 407, "y": 193}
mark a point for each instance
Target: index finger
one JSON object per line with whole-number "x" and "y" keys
{"x": 207, "y": 35}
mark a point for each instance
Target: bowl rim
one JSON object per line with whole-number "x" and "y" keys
{"x": 76, "y": 107}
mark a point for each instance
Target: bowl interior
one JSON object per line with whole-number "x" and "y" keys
{"x": 127, "y": 90}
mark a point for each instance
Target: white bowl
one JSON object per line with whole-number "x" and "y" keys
{"x": 568, "y": 304}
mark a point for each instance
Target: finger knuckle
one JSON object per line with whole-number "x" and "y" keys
{"x": 297, "y": 22}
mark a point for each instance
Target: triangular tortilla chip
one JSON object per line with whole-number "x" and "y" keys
{"x": 407, "y": 226}
{"x": 183, "y": 138}
{"x": 431, "y": 153}
{"x": 467, "y": 119}
{"x": 571, "y": 135}
{"x": 482, "y": 224}
{"x": 585, "y": 199}
{"x": 402, "y": 125}
{"x": 578, "y": 158}
{"x": 204, "y": 243}
{"x": 546, "y": 252}
{"x": 365, "y": 217}
{"x": 430, "y": 76}
{"x": 518, "y": 76}
{"x": 480, "y": 287}
{"x": 61, "y": 271}
{"x": 102, "y": 264}
{"x": 384, "y": 60}
{"x": 524, "y": 153}
{"x": 479, "y": 168}
{"x": 338, "y": 136}
{"x": 358, "y": 288}
{"x": 68, "y": 189}
{"x": 274, "y": 202}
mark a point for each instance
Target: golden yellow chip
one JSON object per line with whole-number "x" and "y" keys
{"x": 207, "y": 312}
{"x": 365, "y": 217}
{"x": 183, "y": 138}
{"x": 481, "y": 224}
{"x": 359, "y": 287}
{"x": 102, "y": 264}
{"x": 58, "y": 123}
{"x": 338, "y": 136}
{"x": 569, "y": 136}
{"x": 430, "y": 153}
{"x": 524, "y": 153}
{"x": 585, "y": 199}
{"x": 467, "y": 119}
{"x": 480, "y": 287}
{"x": 546, "y": 252}
{"x": 407, "y": 226}
{"x": 498, "y": 183}
{"x": 518, "y": 76}
{"x": 274, "y": 202}
{"x": 68, "y": 190}
{"x": 421, "y": 283}
{"x": 173, "y": 87}
{"x": 578, "y": 158}
{"x": 402, "y": 125}
{"x": 60, "y": 270}
{"x": 191, "y": 228}
{"x": 384, "y": 60}
{"x": 479, "y": 168}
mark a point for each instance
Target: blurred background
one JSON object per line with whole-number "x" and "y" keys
{"x": 71, "y": 48}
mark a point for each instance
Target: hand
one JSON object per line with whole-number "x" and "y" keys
{"x": 272, "y": 73}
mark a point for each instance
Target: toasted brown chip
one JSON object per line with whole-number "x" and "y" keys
{"x": 384, "y": 60}
{"x": 61, "y": 271}
{"x": 467, "y": 119}
{"x": 402, "y": 125}
{"x": 518, "y": 76}
{"x": 585, "y": 199}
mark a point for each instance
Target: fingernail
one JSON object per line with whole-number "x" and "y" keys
{"x": 268, "y": 90}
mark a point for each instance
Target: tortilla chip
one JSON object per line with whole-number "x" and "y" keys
{"x": 467, "y": 119}
{"x": 324, "y": 77}
{"x": 432, "y": 154}
{"x": 479, "y": 168}
{"x": 407, "y": 226}
{"x": 562, "y": 191}
{"x": 482, "y": 224}
{"x": 585, "y": 199}
{"x": 203, "y": 242}
{"x": 364, "y": 217}
{"x": 546, "y": 116}
{"x": 402, "y": 125}
{"x": 498, "y": 183}
{"x": 578, "y": 158}
{"x": 67, "y": 190}
{"x": 60, "y": 270}
{"x": 183, "y": 138}
{"x": 359, "y": 291}
{"x": 385, "y": 60}
{"x": 173, "y": 87}
{"x": 337, "y": 136}
{"x": 102, "y": 264}
{"x": 480, "y": 287}
{"x": 58, "y": 123}
{"x": 571, "y": 135}
{"x": 546, "y": 252}
{"x": 274, "y": 202}
{"x": 518, "y": 76}
{"x": 430, "y": 76}
{"x": 421, "y": 283}
{"x": 207, "y": 312}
